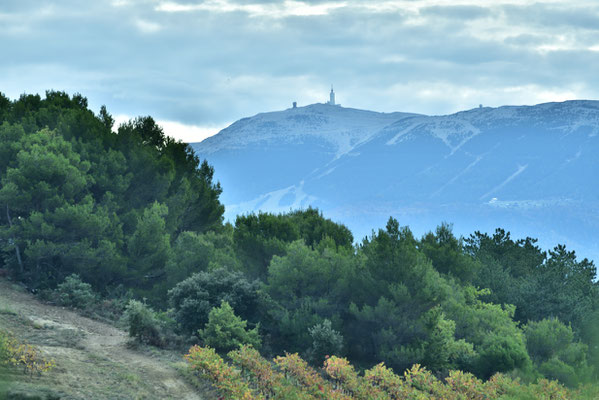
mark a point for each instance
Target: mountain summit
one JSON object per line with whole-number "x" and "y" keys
{"x": 528, "y": 169}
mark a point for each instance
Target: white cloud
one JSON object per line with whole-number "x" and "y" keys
{"x": 213, "y": 61}
{"x": 190, "y": 133}
{"x": 282, "y": 9}
{"x": 147, "y": 26}
{"x": 184, "y": 132}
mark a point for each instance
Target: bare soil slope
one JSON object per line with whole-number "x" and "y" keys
{"x": 93, "y": 360}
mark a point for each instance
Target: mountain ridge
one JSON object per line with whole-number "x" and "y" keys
{"x": 527, "y": 167}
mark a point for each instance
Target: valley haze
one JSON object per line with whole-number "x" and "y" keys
{"x": 528, "y": 169}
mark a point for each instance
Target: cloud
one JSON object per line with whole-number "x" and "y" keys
{"x": 184, "y": 132}
{"x": 190, "y": 133}
{"x": 147, "y": 26}
{"x": 270, "y": 9}
{"x": 205, "y": 63}
{"x": 463, "y": 12}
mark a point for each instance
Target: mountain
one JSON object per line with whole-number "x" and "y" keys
{"x": 531, "y": 170}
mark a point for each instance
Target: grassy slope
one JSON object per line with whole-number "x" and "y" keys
{"x": 93, "y": 359}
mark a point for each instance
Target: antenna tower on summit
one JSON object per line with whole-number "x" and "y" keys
{"x": 332, "y": 97}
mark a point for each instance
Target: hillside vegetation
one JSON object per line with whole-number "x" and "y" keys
{"x": 93, "y": 359}
{"x": 126, "y": 224}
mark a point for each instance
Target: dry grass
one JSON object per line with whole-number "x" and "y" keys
{"x": 93, "y": 360}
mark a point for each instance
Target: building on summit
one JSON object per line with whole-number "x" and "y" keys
{"x": 331, "y": 101}
{"x": 332, "y": 97}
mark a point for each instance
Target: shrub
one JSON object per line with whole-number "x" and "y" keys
{"x": 501, "y": 354}
{"x": 290, "y": 377}
{"x": 544, "y": 339}
{"x": 26, "y": 356}
{"x": 73, "y": 292}
{"x": 226, "y": 331}
{"x": 556, "y": 354}
{"x": 325, "y": 341}
{"x": 145, "y": 325}
{"x": 193, "y": 298}
{"x": 226, "y": 379}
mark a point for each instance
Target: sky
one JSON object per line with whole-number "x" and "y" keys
{"x": 197, "y": 66}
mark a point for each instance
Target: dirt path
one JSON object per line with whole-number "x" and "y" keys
{"x": 93, "y": 359}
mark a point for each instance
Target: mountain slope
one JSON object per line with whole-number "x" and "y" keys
{"x": 529, "y": 169}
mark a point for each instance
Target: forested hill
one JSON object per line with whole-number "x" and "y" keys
{"x": 128, "y": 220}
{"x": 525, "y": 168}
{"x": 78, "y": 197}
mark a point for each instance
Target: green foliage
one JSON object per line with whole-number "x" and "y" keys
{"x": 149, "y": 246}
{"x": 225, "y": 331}
{"x": 401, "y": 288}
{"x": 73, "y": 292}
{"x": 308, "y": 285}
{"x": 325, "y": 342}
{"x": 137, "y": 210}
{"x": 260, "y": 237}
{"x": 145, "y": 325}
{"x": 78, "y": 198}
{"x": 547, "y": 338}
{"x": 447, "y": 254}
{"x": 500, "y": 354}
{"x": 498, "y": 342}
{"x": 314, "y": 228}
{"x": 441, "y": 350}
{"x": 556, "y": 354}
{"x": 198, "y": 252}
{"x": 194, "y": 298}
{"x": 589, "y": 334}
{"x": 306, "y": 272}
{"x": 540, "y": 285}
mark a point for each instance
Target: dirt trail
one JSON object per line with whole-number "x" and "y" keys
{"x": 92, "y": 357}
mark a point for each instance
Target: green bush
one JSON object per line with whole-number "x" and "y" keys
{"x": 325, "y": 342}
{"x": 145, "y": 325}
{"x": 225, "y": 331}
{"x": 501, "y": 354}
{"x": 555, "y": 353}
{"x": 73, "y": 292}
{"x": 546, "y": 338}
{"x": 193, "y": 298}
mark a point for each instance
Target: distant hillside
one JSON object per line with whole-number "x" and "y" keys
{"x": 529, "y": 169}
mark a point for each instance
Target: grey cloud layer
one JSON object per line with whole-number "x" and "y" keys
{"x": 211, "y": 62}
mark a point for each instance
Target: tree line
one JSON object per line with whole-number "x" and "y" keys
{"x": 129, "y": 210}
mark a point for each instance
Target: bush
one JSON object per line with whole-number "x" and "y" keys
{"x": 225, "y": 331}
{"x": 290, "y": 377}
{"x": 501, "y": 354}
{"x": 546, "y": 338}
{"x": 73, "y": 292}
{"x": 146, "y": 325}
{"x": 556, "y": 354}
{"x": 193, "y": 298}
{"x": 23, "y": 355}
{"x": 325, "y": 342}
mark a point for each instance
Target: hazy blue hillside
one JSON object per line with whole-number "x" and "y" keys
{"x": 529, "y": 169}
